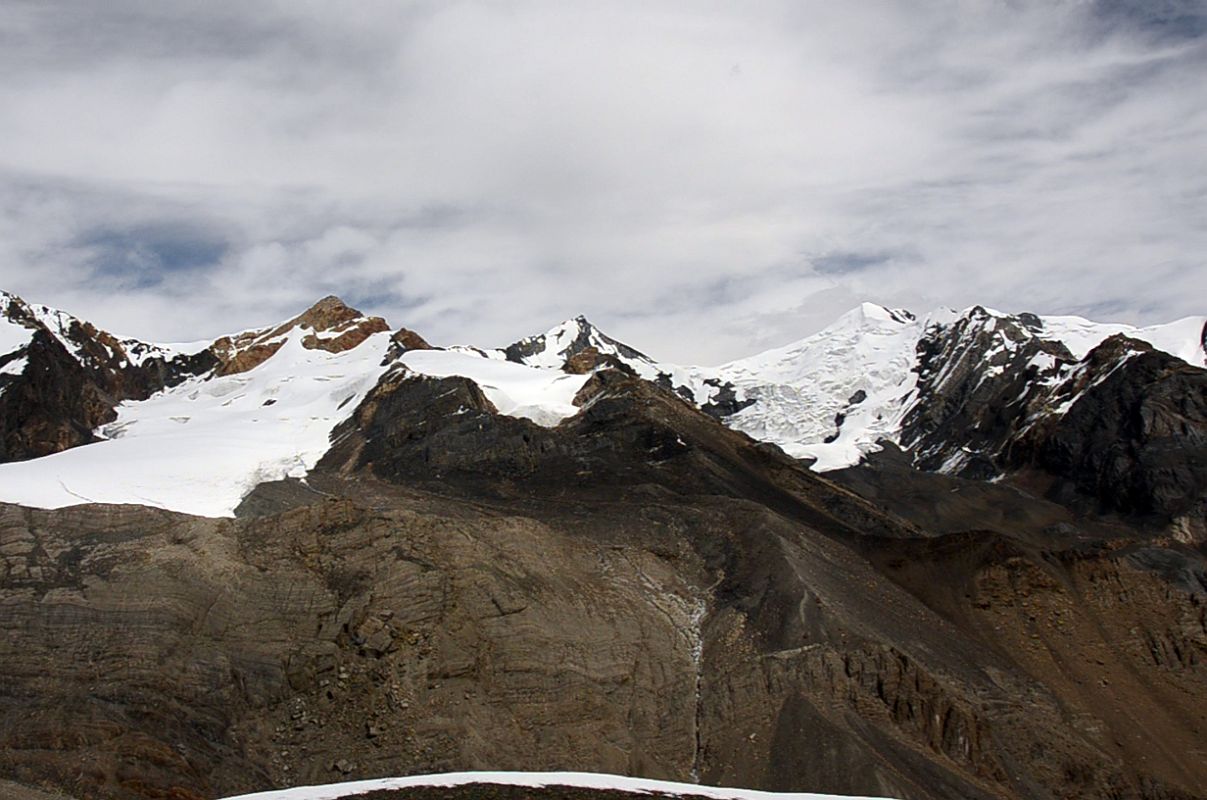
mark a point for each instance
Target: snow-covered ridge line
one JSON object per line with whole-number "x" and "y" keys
{"x": 586, "y": 780}
{"x": 265, "y": 412}
{"x": 834, "y": 395}
{"x": 17, "y": 330}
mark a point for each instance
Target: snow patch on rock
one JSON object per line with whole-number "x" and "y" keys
{"x": 545, "y": 396}
{"x": 589, "y": 780}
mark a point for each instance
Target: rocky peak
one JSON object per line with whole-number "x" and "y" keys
{"x": 328, "y": 315}
{"x": 62, "y": 377}
{"x": 404, "y": 340}
{"x": 330, "y": 325}
{"x": 567, "y": 342}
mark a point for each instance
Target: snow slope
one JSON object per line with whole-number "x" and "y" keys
{"x": 589, "y": 780}
{"x": 544, "y": 396}
{"x": 1182, "y": 338}
{"x": 13, "y": 336}
{"x": 204, "y": 444}
{"x": 799, "y": 389}
{"x": 201, "y": 446}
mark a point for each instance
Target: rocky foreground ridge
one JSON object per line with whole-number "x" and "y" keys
{"x": 580, "y": 565}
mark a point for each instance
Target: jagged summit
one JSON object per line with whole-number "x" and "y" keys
{"x": 569, "y": 340}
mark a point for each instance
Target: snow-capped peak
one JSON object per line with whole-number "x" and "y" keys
{"x": 555, "y": 348}
{"x": 88, "y": 345}
{"x": 835, "y": 395}
{"x": 328, "y": 325}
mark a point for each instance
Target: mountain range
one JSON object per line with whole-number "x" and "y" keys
{"x": 957, "y": 555}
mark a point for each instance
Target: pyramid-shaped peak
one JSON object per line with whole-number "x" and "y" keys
{"x": 327, "y": 314}
{"x": 330, "y": 324}
{"x": 567, "y": 340}
{"x": 572, "y": 326}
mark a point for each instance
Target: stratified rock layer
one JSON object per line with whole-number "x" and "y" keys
{"x": 638, "y": 590}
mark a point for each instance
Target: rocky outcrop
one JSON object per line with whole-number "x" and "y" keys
{"x": 72, "y": 379}
{"x": 1134, "y": 435}
{"x": 974, "y": 376}
{"x": 404, "y": 340}
{"x": 328, "y": 325}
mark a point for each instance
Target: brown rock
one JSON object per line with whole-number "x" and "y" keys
{"x": 334, "y": 327}
{"x": 407, "y": 339}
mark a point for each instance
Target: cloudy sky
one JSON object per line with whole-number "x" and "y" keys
{"x": 702, "y": 179}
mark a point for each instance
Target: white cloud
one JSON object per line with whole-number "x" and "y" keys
{"x": 702, "y": 179}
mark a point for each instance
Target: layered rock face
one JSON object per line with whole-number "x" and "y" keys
{"x": 638, "y": 590}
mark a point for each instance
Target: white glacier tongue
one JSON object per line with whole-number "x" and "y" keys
{"x": 861, "y": 367}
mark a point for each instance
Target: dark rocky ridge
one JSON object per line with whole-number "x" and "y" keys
{"x": 1134, "y": 437}
{"x": 60, "y": 397}
{"x": 1130, "y": 435}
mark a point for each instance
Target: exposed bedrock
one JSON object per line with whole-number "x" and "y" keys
{"x": 638, "y": 590}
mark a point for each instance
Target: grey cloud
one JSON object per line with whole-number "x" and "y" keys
{"x": 149, "y": 254}
{"x": 1161, "y": 19}
{"x": 845, "y": 262}
{"x": 479, "y": 171}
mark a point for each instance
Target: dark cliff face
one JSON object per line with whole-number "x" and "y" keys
{"x": 60, "y": 397}
{"x": 973, "y": 379}
{"x": 1124, "y": 429}
{"x": 1134, "y": 436}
